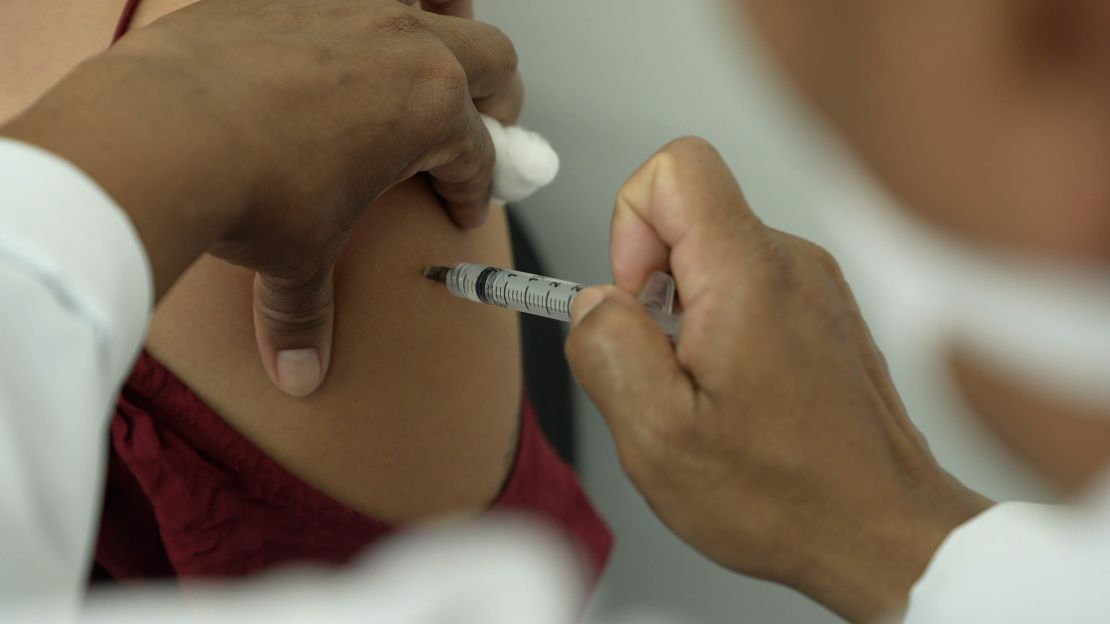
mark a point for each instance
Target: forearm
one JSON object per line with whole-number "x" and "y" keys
{"x": 181, "y": 182}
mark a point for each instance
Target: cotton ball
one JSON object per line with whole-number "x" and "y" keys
{"x": 526, "y": 162}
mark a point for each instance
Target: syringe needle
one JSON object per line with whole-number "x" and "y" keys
{"x": 437, "y": 274}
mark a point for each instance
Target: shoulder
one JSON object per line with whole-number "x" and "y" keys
{"x": 42, "y": 40}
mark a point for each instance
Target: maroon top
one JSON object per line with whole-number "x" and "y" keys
{"x": 189, "y": 496}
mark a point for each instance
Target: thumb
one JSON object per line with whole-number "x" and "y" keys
{"x": 293, "y": 320}
{"x": 623, "y": 361}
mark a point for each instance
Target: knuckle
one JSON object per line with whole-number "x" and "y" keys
{"x": 812, "y": 250}
{"x": 494, "y": 47}
{"x": 290, "y": 308}
{"x": 295, "y": 321}
{"x": 504, "y": 51}
{"x": 398, "y": 19}
{"x": 691, "y": 149}
{"x": 291, "y": 324}
{"x": 451, "y": 82}
{"x": 693, "y": 143}
{"x": 444, "y": 93}
{"x": 777, "y": 259}
{"x": 828, "y": 261}
{"x": 816, "y": 255}
{"x": 682, "y": 159}
{"x": 446, "y": 75}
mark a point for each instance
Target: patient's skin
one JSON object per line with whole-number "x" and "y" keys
{"x": 420, "y": 411}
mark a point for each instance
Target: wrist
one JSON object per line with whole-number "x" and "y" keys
{"x": 125, "y": 122}
{"x": 870, "y": 574}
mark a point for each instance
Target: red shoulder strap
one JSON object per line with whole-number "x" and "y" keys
{"x": 125, "y": 19}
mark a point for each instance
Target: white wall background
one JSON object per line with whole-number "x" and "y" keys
{"x": 610, "y": 81}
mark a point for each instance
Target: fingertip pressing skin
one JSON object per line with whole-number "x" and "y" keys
{"x": 293, "y": 330}
{"x": 298, "y": 371}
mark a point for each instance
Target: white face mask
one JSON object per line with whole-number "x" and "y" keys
{"x": 1043, "y": 325}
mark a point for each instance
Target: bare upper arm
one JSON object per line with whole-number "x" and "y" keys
{"x": 418, "y": 416}
{"x": 42, "y": 40}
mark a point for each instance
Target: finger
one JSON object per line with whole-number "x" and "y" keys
{"x": 463, "y": 176}
{"x": 682, "y": 211}
{"x": 489, "y": 59}
{"x": 455, "y": 8}
{"x": 293, "y": 321}
{"x": 505, "y": 106}
{"x": 623, "y": 361}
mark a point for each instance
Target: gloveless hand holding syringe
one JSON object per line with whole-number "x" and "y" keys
{"x": 526, "y": 163}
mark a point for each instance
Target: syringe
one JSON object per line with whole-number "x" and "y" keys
{"x": 546, "y": 296}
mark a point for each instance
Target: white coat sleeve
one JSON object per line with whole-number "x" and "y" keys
{"x": 1020, "y": 562}
{"x": 75, "y": 294}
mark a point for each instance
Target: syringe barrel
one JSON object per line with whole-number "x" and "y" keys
{"x": 516, "y": 290}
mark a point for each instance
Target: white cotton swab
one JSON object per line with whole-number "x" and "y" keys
{"x": 526, "y": 162}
